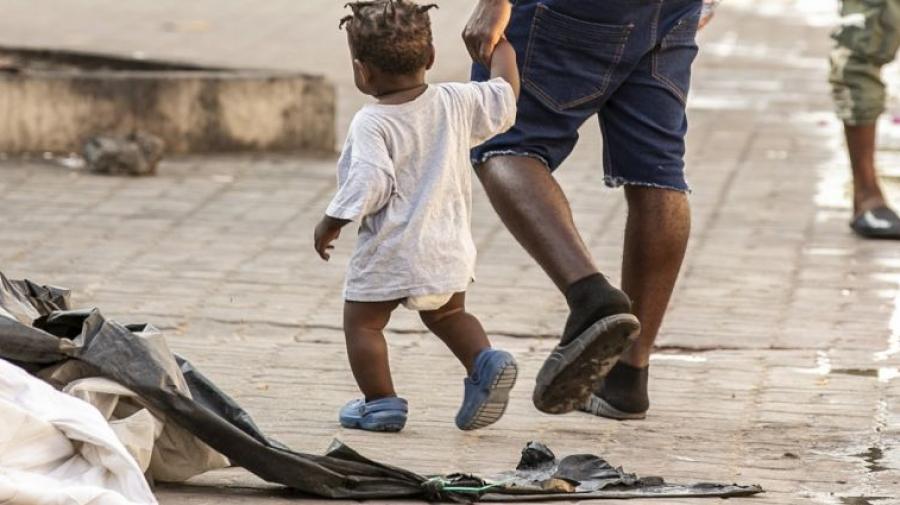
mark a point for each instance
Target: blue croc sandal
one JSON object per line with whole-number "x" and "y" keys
{"x": 487, "y": 390}
{"x": 384, "y": 414}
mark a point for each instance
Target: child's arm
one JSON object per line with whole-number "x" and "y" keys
{"x": 492, "y": 104}
{"x": 503, "y": 64}
{"x": 365, "y": 183}
{"x": 327, "y": 231}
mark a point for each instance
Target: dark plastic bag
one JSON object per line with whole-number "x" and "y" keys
{"x": 39, "y": 329}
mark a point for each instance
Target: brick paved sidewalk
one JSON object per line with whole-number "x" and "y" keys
{"x": 777, "y": 365}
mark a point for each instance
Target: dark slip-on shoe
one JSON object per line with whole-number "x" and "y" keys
{"x": 570, "y": 373}
{"x": 879, "y": 223}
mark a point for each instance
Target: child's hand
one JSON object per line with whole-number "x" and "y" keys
{"x": 327, "y": 231}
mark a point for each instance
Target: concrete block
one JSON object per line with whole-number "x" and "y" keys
{"x": 54, "y": 101}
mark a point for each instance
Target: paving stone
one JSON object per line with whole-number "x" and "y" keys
{"x": 769, "y": 360}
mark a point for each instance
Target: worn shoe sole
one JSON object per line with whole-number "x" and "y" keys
{"x": 569, "y": 374}
{"x": 384, "y": 425}
{"x": 495, "y": 406}
{"x": 877, "y": 235}
{"x": 390, "y": 422}
{"x": 599, "y": 407}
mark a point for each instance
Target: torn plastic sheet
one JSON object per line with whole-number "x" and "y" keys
{"x": 38, "y": 329}
{"x": 541, "y": 476}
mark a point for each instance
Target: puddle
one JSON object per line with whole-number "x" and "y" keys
{"x": 859, "y": 372}
{"x": 873, "y": 458}
{"x": 893, "y": 340}
{"x": 861, "y": 500}
{"x": 730, "y": 46}
{"x": 889, "y": 138}
{"x": 833, "y": 191}
{"x": 823, "y": 367}
{"x": 827, "y": 251}
{"x": 805, "y": 12}
{"x": 831, "y": 499}
{"x": 883, "y": 374}
{"x": 688, "y": 358}
{"x": 725, "y": 102}
{"x": 833, "y": 196}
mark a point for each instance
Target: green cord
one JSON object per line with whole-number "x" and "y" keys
{"x": 463, "y": 489}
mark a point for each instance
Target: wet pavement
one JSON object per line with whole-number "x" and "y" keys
{"x": 778, "y": 363}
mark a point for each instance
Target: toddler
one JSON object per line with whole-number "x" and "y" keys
{"x": 404, "y": 176}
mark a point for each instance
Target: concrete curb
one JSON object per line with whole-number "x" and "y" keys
{"x": 53, "y": 101}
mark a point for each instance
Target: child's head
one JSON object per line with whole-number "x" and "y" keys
{"x": 388, "y": 39}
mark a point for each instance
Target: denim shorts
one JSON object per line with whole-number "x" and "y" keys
{"x": 626, "y": 61}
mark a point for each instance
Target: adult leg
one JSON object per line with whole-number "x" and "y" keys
{"x": 644, "y": 125}
{"x": 867, "y": 193}
{"x": 534, "y": 208}
{"x": 562, "y": 93}
{"x": 364, "y": 324}
{"x": 861, "y": 49}
{"x": 537, "y": 213}
{"x": 656, "y": 236}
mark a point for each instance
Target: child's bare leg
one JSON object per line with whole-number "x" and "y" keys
{"x": 460, "y": 331}
{"x": 491, "y": 372}
{"x": 364, "y": 324}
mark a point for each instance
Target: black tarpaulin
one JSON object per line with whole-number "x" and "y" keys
{"x": 38, "y": 328}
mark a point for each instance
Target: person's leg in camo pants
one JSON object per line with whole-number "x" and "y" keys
{"x": 867, "y": 39}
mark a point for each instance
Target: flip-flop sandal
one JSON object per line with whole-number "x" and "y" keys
{"x": 599, "y": 407}
{"x": 880, "y": 223}
{"x": 570, "y": 373}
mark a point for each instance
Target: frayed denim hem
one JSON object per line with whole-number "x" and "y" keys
{"x": 476, "y": 161}
{"x": 615, "y": 182}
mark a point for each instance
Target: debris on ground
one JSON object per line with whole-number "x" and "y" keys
{"x": 59, "y": 450}
{"x": 137, "y": 153}
{"x": 41, "y": 333}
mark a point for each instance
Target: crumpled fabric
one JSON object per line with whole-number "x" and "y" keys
{"x": 175, "y": 455}
{"x": 58, "y": 450}
{"x": 165, "y": 451}
{"x": 38, "y": 329}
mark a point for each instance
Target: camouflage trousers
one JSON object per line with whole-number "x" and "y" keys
{"x": 866, "y": 40}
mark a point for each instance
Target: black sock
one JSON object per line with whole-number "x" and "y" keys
{"x": 625, "y": 388}
{"x": 591, "y": 299}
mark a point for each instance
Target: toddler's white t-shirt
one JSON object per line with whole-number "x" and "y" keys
{"x": 405, "y": 176}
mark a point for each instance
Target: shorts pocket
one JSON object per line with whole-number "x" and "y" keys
{"x": 672, "y": 60}
{"x": 570, "y": 62}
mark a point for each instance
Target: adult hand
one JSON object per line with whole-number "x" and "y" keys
{"x": 485, "y": 29}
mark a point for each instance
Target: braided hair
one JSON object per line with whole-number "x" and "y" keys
{"x": 392, "y": 35}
